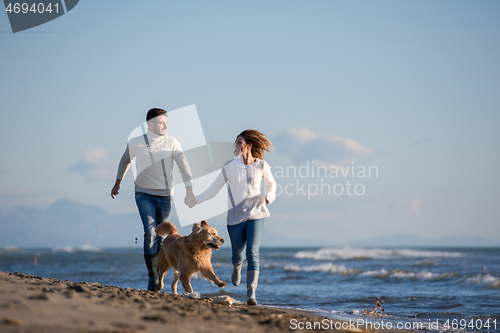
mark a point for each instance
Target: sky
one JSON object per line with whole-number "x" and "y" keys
{"x": 409, "y": 88}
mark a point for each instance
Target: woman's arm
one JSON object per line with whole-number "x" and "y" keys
{"x": 213, "y": 189}
{"x": 270, "y": 184}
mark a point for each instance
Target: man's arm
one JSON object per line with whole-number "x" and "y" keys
{"x": 185, "y": 170}
{"x": 116, "y": 188}
{"x": 122, "y": 170}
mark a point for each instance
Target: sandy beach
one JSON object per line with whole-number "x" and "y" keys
{"x": 36, "y": 304}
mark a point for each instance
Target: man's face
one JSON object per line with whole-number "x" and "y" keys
{"x": 158, "y": 125}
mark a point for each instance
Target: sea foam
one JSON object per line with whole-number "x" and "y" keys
{"x": 380, "y": 273}
{"x": 71, "y": 249}
{"x": 487, "y": 281}
{"x": 403, "y": 275}
{"x": 329, "y": 267}
{"x": 361, "y": 253}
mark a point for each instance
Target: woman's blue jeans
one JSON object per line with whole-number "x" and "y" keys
{"x": 153, "y": 211}
{"x": 246, "y": 234}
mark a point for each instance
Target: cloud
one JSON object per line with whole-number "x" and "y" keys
{"x": 303, "y": 145}
{"x": 2, "y": 170}
{"x": 96, "y": 164}
{"x": 416, "y": 206}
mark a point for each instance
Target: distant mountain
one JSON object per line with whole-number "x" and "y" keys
{"x": 68, "y": 223}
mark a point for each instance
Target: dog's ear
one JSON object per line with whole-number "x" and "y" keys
{"x": 204, "y": 223}
{"x": 196, "y": 227}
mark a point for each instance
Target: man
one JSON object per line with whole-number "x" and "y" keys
{"x": 155, "y": 154}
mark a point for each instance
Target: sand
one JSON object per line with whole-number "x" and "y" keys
{"x": 31, "y": 303}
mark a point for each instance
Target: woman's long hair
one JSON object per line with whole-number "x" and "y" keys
{"x": 258, "y": 140}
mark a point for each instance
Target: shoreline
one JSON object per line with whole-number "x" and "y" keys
{"x": 37, "y": 304}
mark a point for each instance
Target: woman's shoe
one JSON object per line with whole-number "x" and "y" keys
{"x": 252, "y": 302}
{"x": 236, "y": 277}
{"x": 252, "y": 282}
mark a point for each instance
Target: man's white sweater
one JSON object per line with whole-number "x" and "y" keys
{"x": 151, "y": 176}
{"x": 246, "y": 201}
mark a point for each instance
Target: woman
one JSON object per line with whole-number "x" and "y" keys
{"x": 247, "y": 204}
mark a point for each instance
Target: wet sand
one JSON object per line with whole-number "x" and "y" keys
{"x": 31, "y": 303}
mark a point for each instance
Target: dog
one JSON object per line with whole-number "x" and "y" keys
{"x": 188, "y": 255}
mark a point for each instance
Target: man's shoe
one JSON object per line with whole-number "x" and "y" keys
{"x": 152, "y": 265}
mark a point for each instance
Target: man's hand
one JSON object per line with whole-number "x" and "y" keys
{"x": 190, "y": 199}
{"x": 116, "y": 188}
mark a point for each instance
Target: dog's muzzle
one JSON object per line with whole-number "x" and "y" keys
{"x": 216, "y": 245}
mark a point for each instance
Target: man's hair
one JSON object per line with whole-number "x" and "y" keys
{"x": 155, "y": 112}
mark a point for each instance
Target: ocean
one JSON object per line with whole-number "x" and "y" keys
{"x": 431, "y": 289}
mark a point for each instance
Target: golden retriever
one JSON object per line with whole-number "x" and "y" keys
{"x": 188, "y": 255}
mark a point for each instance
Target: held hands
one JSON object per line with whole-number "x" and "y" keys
{"x": 190, "y": 199}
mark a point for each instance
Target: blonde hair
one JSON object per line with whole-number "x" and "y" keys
{"x": 258, "y": 141}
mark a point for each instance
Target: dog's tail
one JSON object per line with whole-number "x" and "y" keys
{"x": 165, "y": 228}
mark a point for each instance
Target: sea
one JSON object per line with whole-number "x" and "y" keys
{"x": 426, "y": 289}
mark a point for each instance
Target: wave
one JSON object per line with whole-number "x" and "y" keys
{"x": 424, "y": 263}
{"x": 71, "y": 249}
{"x": 424, "y": 275}
{"x": 380, "y": 273}
{"x": 407, "y": 275}
{"x": 88, "y": 247}
{"x": 487, "y": 281}
{"x": 361, "y": 253}
{"x": 329, "y": 267}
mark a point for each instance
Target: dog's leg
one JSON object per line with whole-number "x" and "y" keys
{"x": 161, "y": 274}
{"x": 208, "y": 273}
{"x": 163, "y": 267}
{"x": 186, "y": 283}
{"x": 174, "y": 282}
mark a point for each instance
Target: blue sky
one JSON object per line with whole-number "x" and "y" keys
{"x": 413, "y": 84}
